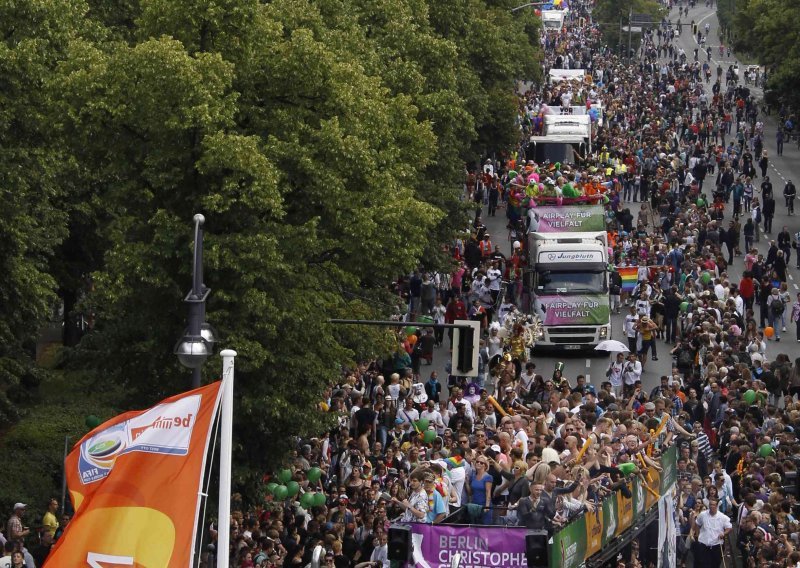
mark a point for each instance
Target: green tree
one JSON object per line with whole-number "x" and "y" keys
{"x": 765, "y": 29}
{"x": 34, "y": 164}
{"x": 611, "y": 14}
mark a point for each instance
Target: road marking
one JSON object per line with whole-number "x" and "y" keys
{"x": 796, "y": 287}
{"x": 791, "y": 277}
{"x": 588, "y": 363}
{"x": 588, "y": 378}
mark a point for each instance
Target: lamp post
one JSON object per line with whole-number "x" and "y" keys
{"x": 199, "y": 337}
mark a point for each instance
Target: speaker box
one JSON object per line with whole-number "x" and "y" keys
{"x": 536, "y": 549}
{"x": 399, "y": 545}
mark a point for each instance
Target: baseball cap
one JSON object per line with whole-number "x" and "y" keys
{"x": 20, "y": 506}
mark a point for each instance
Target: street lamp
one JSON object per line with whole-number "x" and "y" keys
{"x": 199, "y": 337}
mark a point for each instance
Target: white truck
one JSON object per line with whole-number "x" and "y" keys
{"x": 553, "y": 19}
{"x": 563, "y": 134}
{"x": 568, "y": 280}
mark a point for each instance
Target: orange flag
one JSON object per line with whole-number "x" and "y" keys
{"x": 135, "y": 484}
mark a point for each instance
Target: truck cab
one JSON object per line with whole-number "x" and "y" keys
{"x": 569, "y": 277}
{"x": 553, "y": 19}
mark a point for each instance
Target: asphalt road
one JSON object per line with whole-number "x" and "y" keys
{"x": 781, "y": 169}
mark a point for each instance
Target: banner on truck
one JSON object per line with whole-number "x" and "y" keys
{"x": 479, "y": 547}
{"x": 571, "y": 219}
{"x": 573, "y": 310}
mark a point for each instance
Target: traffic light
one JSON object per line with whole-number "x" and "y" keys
{"x": 466, "y": 343}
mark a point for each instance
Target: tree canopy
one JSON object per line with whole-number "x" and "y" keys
{"x": 324, "y": 141}
{"x": 766, "y": 30}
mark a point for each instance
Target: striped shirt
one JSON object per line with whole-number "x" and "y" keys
{"x": 704, "y": 444}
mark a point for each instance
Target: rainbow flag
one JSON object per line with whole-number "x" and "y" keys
{"x": 629, "y": 277}
{"x": 454, "y": 462}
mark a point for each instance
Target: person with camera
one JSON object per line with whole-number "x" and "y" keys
{"x": 632, "y": 372}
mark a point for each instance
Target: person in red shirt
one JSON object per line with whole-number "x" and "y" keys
{"x": 747, "y": 289}
{"x": 456, "y": 310}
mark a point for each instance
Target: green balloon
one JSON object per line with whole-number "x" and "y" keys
{"x": 684, "y": 307}
{"x": 92, "y": 421}
{"x": 271, "y": 487}
{"x": 307, "y": 500}
{"x": 705, "y": 278}
{"x": 627, "y": 468}
{"x": 512, "y": 174}
{"x": 319, "y": 499}
{"x": 422, "y": 424}
{"x": 429, "y": 436}
{"x": 314, "y": 474}
{"x": 426, "y": 319}
{"x": 285, "y": 475}
{"x": 765, "y": 450}
{"x": 701, "y": 202}
{"x": 293, "y": 488}
{"x": 411, "y": 330}
{"x": 749, "y": 396}
{"x": 281, "y": 492}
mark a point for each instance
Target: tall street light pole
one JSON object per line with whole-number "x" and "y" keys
{"x": 198, "y": 340}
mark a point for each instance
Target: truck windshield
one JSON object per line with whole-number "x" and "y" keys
{"x": 571, "y": 282}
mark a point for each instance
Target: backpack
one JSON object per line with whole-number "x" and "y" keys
{"x": 758, "y": 215}
{"x": 776, "y": 307}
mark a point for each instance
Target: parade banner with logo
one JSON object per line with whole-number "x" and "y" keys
{"x": 570, "y": 219}
{"x": 586, "y": 309}
{"x": 669, "y": 469}
{"x": 569, "y": 545}
{"x": 610, "y": 523}
{"x": 667, "y": 530}
{"x": 652, "y": 489}
{"x": 625, "y": 510}
{"x": 594, "y": 530}
{"x": 479, "y": 547}
{"x": 135, "y": 483}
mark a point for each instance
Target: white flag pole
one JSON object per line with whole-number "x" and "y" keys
{"x": 225, "y": 459}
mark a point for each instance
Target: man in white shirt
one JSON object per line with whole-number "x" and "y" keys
{"x": 643, "y": 304}
{"x": 712, "y": 527}
{"x": 719, "y": 471}
{"x": 520, "y": 436}
{"x": 408, "y": 414}
{"x": 632, "y": 371}
{"x": 433, "y": 416}
{"x": 380, "y": 554}
{"x": 630, "y": 329}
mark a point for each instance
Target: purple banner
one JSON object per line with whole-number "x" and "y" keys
{"x": 479, "y": 547}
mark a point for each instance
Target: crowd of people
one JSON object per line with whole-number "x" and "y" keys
{"x": 520, "y": 446}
